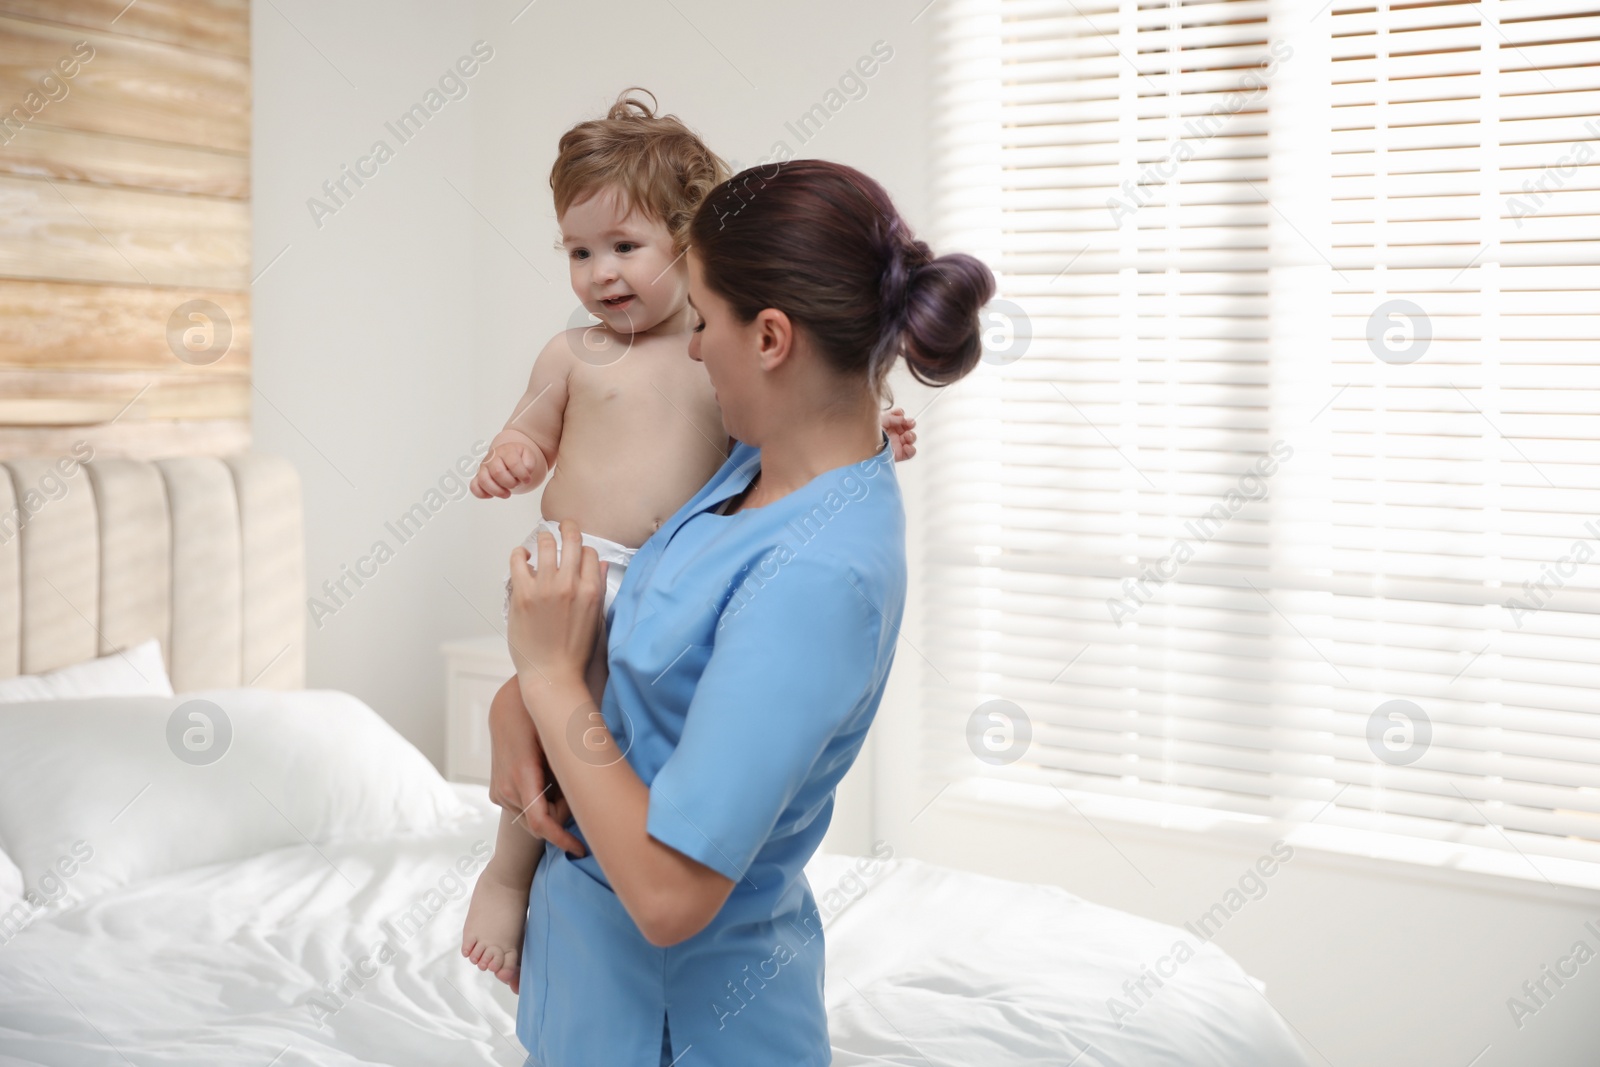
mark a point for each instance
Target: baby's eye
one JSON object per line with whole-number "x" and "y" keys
{"x": 579, "y": 253}
{"x": 700, "y": 326}
{"x": 626, "y": 246}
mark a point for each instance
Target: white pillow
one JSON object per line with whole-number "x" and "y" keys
{"x": 143, "y": 786}
{"x": 136, "y": 671}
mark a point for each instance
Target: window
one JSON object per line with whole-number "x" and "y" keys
{"x": 1278, "y": 497}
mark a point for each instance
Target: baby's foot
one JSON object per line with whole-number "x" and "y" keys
{"x": 493, "y": 935}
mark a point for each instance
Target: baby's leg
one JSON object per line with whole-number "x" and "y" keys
{"x": 493, "y": 935}
{"x": 499, "y": 908}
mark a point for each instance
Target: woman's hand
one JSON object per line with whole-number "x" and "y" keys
{"x": 902, "y": 431}
{"x": 519, "y": 775}
{"x": 555, "y": 609}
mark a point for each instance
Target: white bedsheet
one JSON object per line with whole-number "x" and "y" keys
{"x": 952, "y": 969}
{"x": 217, "y": 966}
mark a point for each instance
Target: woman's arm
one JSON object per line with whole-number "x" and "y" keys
{"x": 669, "y": 896}
{"x": 554, "y": 611}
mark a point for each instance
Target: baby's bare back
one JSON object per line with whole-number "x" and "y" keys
{"x": 639, "y": 437}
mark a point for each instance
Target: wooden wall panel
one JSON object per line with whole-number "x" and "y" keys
{"x": 48, "y": 152}
{"x": 124, "y": 199}
{"x": 88, "y": 233}
{"x": 129, "y": 88}
{"x": 59, "y": 398}
{"x": 109, "y": 327}
{"x": 221, "y": 26}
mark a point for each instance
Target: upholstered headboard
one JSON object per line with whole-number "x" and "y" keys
{"x": 206, "y": 554}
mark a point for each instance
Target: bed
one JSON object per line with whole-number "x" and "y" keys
{"x": 236, "y": 911}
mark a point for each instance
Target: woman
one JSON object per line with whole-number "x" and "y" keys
{"x": 749, "y": 647}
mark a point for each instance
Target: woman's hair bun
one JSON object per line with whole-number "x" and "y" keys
{"x": 931, "y": 308}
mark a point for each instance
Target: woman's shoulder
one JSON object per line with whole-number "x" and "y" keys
{"x": 799, "y": 583}
{"x": 846, "y": 525}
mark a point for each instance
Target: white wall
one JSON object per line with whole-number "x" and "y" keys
{"x": 365, "y": 350}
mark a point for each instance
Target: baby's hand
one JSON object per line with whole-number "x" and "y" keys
{"x": 511, "y": 466}
{"x": 902, "y": 431}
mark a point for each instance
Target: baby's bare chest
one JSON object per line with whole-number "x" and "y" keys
{"x": 622, "y": 401}
{"x": 634, "y": 446}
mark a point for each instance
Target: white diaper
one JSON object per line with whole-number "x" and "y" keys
{"x": 619, "y": 556}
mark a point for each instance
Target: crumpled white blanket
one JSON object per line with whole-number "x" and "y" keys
{"x": 351, "y": 956}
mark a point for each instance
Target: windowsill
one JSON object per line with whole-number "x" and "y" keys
{"x": 1390, "y": 855}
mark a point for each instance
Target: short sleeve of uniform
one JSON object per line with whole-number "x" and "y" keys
{"x": 793, "y": 663}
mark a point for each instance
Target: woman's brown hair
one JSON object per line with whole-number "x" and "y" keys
{"x": 823, "y": 243}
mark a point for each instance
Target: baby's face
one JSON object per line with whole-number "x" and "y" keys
{"x": 623, "y": 268}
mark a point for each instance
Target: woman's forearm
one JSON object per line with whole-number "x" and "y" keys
{"x": 669, "y": 896}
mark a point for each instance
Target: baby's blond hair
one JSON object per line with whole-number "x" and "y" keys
{"x": 657, "y": 163}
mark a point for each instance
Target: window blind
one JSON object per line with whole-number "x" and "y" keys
{"x": 1276, "y": 493}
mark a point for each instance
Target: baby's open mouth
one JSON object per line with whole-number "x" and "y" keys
{"x": 618, "y": 302}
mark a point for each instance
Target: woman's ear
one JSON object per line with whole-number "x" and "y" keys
{"x": 775, "y": 338}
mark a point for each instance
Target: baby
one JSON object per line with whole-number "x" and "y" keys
{"x": 616, "y": 413}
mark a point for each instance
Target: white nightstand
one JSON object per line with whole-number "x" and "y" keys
{"x": 474, "y": 669}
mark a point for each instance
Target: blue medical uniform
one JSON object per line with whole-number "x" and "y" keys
{"x": 748, "y": 656}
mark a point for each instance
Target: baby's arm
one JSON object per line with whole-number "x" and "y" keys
{"x": 521, "y": 455}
